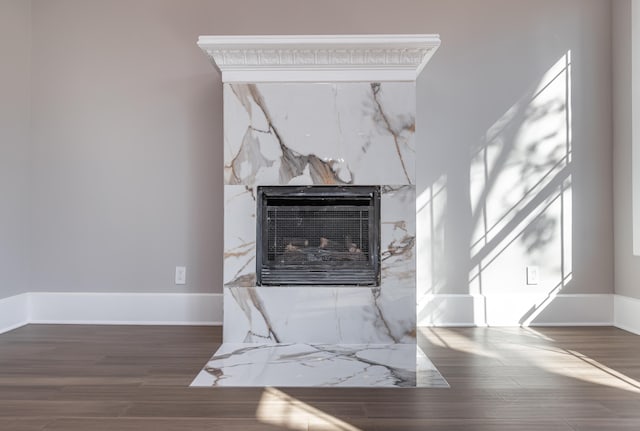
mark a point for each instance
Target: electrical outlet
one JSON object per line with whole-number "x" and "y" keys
{"x": 181, "y": 274}
{"x": 532, "y": 275}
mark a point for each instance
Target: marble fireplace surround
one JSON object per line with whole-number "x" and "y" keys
{"x": 319, "y": 110}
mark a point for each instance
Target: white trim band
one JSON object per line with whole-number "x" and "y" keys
{"x": 336, "y": 58}
{"x": 111, "y": 309}
{"x": 206, "y": 309}
{"x": 627, "y": 313}
{"x": 507, "y": 309}
{"x": 14, "y": 312}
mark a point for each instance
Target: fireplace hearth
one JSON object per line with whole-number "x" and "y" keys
{"x": 318, "y": 235}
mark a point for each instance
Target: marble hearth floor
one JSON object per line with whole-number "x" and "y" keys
{"x": 313, "y": 365}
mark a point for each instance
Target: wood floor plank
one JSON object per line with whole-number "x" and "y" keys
{"x": 83, "y": 377}
{"x": 23, "y": 424}
{"x": 54, "y": 408}
{"x": 163, "y": 424}
{"x": 446, "y": 425}
{"x": 605, "y": 425}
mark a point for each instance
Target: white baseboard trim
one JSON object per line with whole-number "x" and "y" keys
{"x": 206, "y": 309}
{"x": 126, "y": 308}
{"x": 627, "y": 313}
{"x": 446, "y": 310}
{"x": 111, "y": 309}
{"x": 14, "y": 312}
{"x": 536, "y": 309}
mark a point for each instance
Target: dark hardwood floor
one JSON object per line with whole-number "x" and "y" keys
{"x": 81, "y": 378}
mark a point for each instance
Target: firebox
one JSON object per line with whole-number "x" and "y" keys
{"x": 318, "y": 235}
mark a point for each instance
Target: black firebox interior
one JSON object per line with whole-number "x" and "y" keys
{"x": 318, "y": 235}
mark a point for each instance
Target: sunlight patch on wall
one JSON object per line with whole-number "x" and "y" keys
{"x": 521, "y": 201}
{"x": 430, "y": 207}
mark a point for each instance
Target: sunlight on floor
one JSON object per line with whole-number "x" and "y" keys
{"x": 279, "y": 409}
{"x": 576, "y": 365}
{"x": 457, "y": 342}
{"x": 600, "y": 374}
{"x": 536, "y": 350}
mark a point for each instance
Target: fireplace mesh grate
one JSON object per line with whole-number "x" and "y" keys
{"x": 318, "y": 235}
{"x": 315, "y": 236}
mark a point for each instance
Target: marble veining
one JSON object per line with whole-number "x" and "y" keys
{"x": 292, "y": 164}
{"x": 340, "y": 133}
{"x": 330, "y": 314}
{"x": 397, "y": 132}
{"x": 240, "y": 236}
{"x": 398, "y": 235}
{"x": 320, "y": 110}
{"x": 295, "y": 364}
{"x": 251, "y": 304}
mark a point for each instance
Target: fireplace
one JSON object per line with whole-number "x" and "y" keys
{"x": 319, "y": 210}
{"x": 318, "y": 235}
{"x": 319, "y": 187}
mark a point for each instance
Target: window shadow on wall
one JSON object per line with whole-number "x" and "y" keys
{"x": 520, "y": 211}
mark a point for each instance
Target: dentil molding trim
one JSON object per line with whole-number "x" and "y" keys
{"x": 320, "y": 58}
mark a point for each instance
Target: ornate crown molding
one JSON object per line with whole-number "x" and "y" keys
{"x": 319, "y": 58}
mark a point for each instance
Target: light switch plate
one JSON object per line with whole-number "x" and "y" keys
{"x": 532, "y": 275}
{"x": 181, "y": 274}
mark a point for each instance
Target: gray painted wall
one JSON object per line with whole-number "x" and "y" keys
{"x": 485, "y": 90}
{"x": 127, "y": 137}
{"x": 127, "y": 144}
{"x": 627, "y": 266}
{"x": 14, "y": 145}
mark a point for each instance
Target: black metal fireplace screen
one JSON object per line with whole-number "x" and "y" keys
{"x": 318, "y": 235}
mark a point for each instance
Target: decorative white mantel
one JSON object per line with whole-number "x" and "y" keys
{"x": 320, "y": 110}
{"x": 342, "y": 58}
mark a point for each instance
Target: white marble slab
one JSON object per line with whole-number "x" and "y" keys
{"x": 321, "y": 314}
{"x": 398, "y": 237}
{"x": 311, "y": 365}
{"x": 328, "y": 314}
{"x": 320, "y": 133}
{"x": 239, "y": 236}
